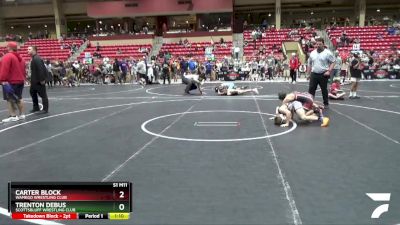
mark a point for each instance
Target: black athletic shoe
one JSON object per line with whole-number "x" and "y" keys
{"x": 326, "y": 106}
{"x": 42, "y": 112}
{"x": 356, "y": 97}
{"x": 34, "y": 110}
{"x": 351, "y": 97}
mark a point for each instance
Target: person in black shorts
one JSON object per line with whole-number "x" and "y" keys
{"x": 355, "y": 73}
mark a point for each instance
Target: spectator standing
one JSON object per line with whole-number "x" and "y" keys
{"x": 271, "y": 66}
{"x": 286, "y": 69}
{"x": 124, "y": 71}
{"x": 355, "y": 73}
{"x": 117, "y": 70}
{"x": 49, "y": 79}
{"x": 142, "y": 70}
{"x": 338, "y": 66}
{"x": 12, "y": 78}
{"x": 38, "y": 81}
{"x": 294, "y": 65}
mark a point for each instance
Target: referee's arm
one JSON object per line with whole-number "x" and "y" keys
{"x": 332, "y": 61}
{"x": 309, "y": 65}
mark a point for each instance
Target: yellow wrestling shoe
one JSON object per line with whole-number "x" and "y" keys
{"x": 325, "y": 122}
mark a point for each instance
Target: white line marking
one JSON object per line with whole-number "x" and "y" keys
{"x": 91, "y": 109}
{"x": 104, "y": 93}
{"x": 216, "y": 124}
{"x": 367, "y": 127}
{"x": 165, "y": 97}
{"x": 384, "y": 92}
{"x": 364, "y": 107}
{"x": 4, "y": 211}
{"x": 148, "y": 91}
{"x": 394, "y": 86}
{"x": 118, "y": 168}
{"x": 61, "y": 133}
{"x": 382, "y": 96}
{"x": 212, "y": 140}
{"x": 284, "y": 182}
{"x": 100, "y": 98}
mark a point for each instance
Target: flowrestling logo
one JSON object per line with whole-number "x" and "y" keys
{"x": 379, "y": 197}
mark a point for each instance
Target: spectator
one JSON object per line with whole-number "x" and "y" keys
{"x": 379, "y": 36}
{"x": 38, "y": 81}
{"x": 12, "y": 78}
{"x": 355, "y": 71}
{"x": 344, "y": 39}
{"x": 145, "y": 29}
{"x": 208, "y": 67}
{"x": 294, "y": 65}
{"x": 166, "y": 72}
{"x": 347, "y": 22}
{"x": 271, "y": 66}
{"x": 192, "y": 66}
{"x": 286, "y": 68}
{"x": 391, "y": 30}
{"x": 117, "y": 70}
{"x": 124, "y": 71}
{"x": 98, "y": 46}
{"x": 49, "y": 78}
{"x": 142, "y": 70}
{"x": 245, "y": 24}
{"x": 76, "y": 68}
{"x": 264, "y": 24}
{"x": 236, "y": 51}
{"x": 338, "y": 65}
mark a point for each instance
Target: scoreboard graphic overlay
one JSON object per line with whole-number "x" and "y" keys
{"x": 70, "y": 200}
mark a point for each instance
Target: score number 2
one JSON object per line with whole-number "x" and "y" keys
{"x": 121, "y": 196}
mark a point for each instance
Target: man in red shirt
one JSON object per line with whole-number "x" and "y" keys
{"x": 12, "y": 78}
{"x": 294, "y": 65}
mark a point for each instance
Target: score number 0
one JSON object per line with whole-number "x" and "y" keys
{"x": 122, "y": 196}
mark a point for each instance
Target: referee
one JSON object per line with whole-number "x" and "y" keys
{"x": 320, "y": 65}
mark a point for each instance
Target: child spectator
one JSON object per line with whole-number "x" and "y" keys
{"x": 335, "y": 92}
